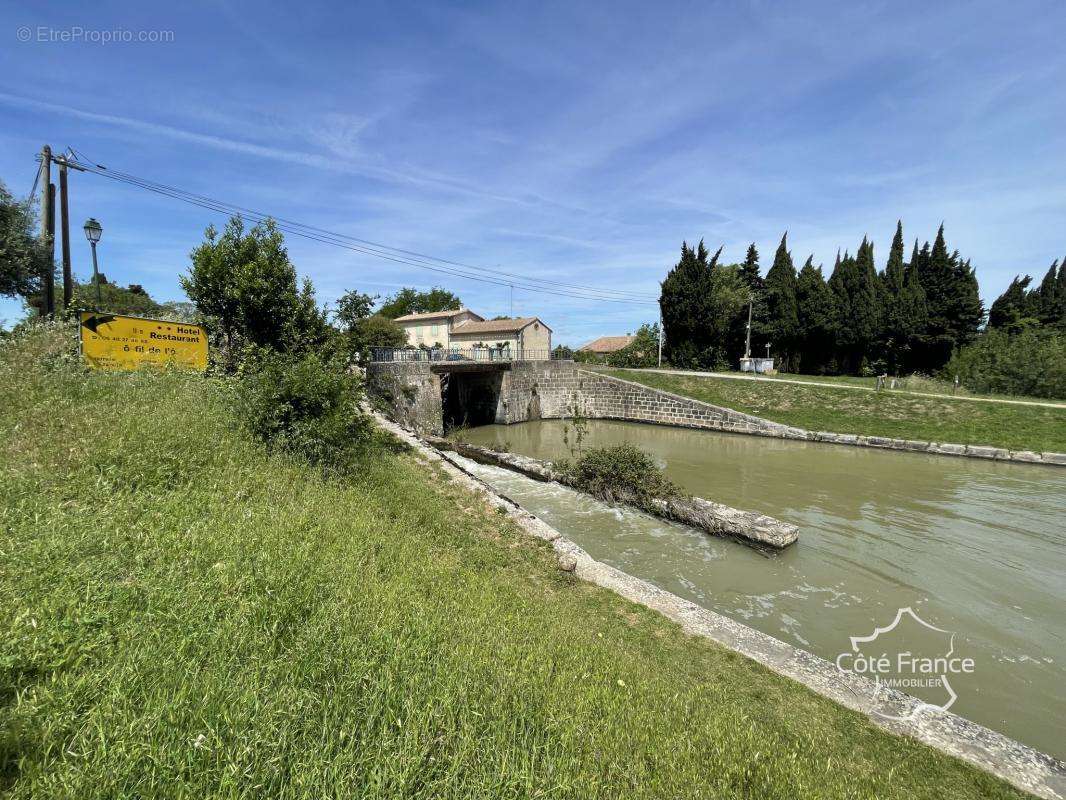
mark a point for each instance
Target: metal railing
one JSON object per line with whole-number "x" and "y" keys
{"x": 455, "y": 354}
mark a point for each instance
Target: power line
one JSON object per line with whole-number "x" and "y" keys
{"x": 367, "y": 247}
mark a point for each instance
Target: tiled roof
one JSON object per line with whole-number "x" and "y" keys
{"x": 494, "y": 326}
{"x": 434, "y": 315}
{"x": 607, "y": 344}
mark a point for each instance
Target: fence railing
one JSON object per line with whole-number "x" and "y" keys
{"x": 472, "y": 354}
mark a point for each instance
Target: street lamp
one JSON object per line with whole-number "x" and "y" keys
{"x": 93, "y": 231}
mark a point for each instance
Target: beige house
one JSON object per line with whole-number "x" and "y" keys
{"x": 525, "y": 337}
{"x": 434, "y": 329}
{"x": 471, "y": 334}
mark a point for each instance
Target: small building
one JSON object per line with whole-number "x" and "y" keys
{"x": 525, "y": 337}
{"x": 470, "y": 334}
{"x": 605, "y": 345}
{"x": 434, "y": 329}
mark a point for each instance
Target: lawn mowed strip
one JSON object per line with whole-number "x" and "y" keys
{"x": 891, "y": 414}
{"x": 185, "y": 615}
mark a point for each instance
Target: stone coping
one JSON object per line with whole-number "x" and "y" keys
{"x": 758, "y": 426}
{"x": 1018, "y": 764}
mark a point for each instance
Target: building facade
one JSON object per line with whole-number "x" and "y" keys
{"x": 434, "y": 329}
{"x": 465, "y": 332}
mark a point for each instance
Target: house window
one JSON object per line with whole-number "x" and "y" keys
{"x": 434, "y": 330}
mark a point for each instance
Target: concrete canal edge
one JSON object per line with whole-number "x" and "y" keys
{"x": 1018, "y": 764}
{"x": 525, "y": 390}
{"x": 716, "y": 519}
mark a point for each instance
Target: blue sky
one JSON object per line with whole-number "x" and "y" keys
{"x": 574, "y": 141}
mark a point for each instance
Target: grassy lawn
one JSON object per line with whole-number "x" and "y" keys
{"x": 896, "y": 415}
{"x": 185, "y": 615}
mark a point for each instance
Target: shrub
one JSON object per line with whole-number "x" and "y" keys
{"x": 1032, "y": 362}
{"x": 621, "y": 472}
{"x": 307, "y": 405}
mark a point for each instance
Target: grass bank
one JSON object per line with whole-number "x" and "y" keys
{"x": 186, "y": 616}
{"x": 891, "y": 414}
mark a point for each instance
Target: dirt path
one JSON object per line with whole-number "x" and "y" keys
{"x": 735, "y": 377}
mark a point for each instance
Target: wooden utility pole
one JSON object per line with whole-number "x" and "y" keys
{"x": 64, "y": 226}
{"x": 48, "y": 230}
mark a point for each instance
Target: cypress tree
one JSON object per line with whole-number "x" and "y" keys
{"x": 866, "y": 306}
{"x": 782, "y": 319}
{"x": 748, "y": 272}
{"x": 1061, "y": 294}
{"x": 686, "y": 303}
{"x": 895, "y": 337}
{"x": 1049, "y": 296}
{"x": 913, "y": 318}
{"x": 1009, "y": 309}
{"x": 894, "y": 269}
{"x": 953, "y": 301}
{"x": 816, "y": 308}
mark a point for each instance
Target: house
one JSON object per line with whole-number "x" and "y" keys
{"x": 606, "y": 345}
{"x": 526, "y": 337}
{"x": 464, "y": 331}
{"x": 434, "y": 329}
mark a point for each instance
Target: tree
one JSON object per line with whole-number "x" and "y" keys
{"x": 895, "y": 268}
{"x": 411, "y": 301}
{"x": 1008, "y": 311}
{"x": 896, "y": 330}
{"x": 953, "y": 302}
{"x": 352, "y": 307}
{"x": 913, "y": 319}
{"x": 245, "y": 286}
{"x": 748, "y": 272}
{"x": 361, "y": 331}
{"x": 1060, "y": 293}
{"x": 698, "y": 302}
{"x": 133, "y": 299}
{"x": 643, "y": 351}
{"x": 23, "y": 257}
{"x": 817, "y": 314}
{"x": 1049, "y": 295}
{"x": 782, "y": 315}
{"x": 854, "y": 285}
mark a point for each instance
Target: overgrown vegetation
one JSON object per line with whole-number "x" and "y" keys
{"x": 620, "y": 472}
{"x": 23, "y": 256}
{"x": 412, "y": 301}
{"x": 889, "y": 414}
{"x": 307, "y": 405}
{"x": 185, "y": 614}
{"x": 1030, "y": 362}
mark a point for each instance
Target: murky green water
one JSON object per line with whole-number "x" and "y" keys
{"x": 976, "y": 548}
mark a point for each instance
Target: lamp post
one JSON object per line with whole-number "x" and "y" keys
{"x": 93, "y": 231}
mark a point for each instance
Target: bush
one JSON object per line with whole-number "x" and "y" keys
{"x": 307, "y": 405}
{"x": 1032, "y": 362}
{"x": 621, "y": 472}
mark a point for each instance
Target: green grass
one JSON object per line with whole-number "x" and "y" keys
{"x": 185, "y": 616}
{"x": 892, "y": 414}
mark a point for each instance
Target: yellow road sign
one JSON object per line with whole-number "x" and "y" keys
{"x": 112, "y": 341}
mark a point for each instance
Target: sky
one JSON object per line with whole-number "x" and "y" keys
{"x": 578, "y": 142}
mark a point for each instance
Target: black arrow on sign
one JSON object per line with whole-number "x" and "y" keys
{"x": 95, "y": 321}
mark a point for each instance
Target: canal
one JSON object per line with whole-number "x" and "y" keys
{"x": 977, "y": 548}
